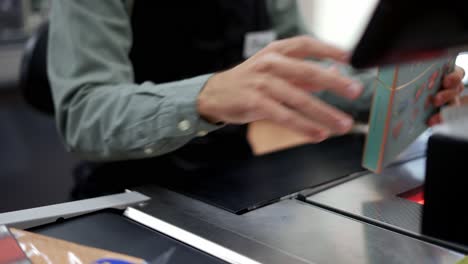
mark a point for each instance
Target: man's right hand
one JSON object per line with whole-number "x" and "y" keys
{"x": 275, "y": 85}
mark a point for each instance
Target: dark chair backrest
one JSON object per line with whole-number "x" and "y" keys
{"x": 34, "y": 82}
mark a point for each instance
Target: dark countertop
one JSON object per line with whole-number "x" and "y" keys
{"x": 110, "y": 231}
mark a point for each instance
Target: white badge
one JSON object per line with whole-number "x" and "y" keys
{"x": 256, "y": 41}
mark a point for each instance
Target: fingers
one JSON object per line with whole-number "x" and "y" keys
{"x": 460, "y": 71}
{"x": 452, "y": 87}
{"x": 304, "y": 47}
{"x": 335, "y": 121}
{"x": 453, "y": 79}
{"x": 285, "y": 117}
{"x": 308, "y": 75}
{"x": 435, "y": 120}
{"x": 445, "y": 97}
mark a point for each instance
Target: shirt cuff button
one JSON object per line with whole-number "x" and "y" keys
{"x": 184, "y": 125}
{"x": 202, "y": 133}
{"x": 148, "y": 151}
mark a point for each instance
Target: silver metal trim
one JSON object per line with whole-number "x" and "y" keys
{"x": 48, "y": 214}
{"x": 191, "y": 239}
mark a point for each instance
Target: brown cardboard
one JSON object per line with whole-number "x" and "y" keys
{"x": 45, "y": 250}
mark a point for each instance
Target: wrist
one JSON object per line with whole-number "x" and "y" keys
{"x": 205, "y": 105}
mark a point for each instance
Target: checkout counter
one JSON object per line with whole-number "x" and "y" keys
{"x": 309, "y": 204}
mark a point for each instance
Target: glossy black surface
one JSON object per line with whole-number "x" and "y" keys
{"x": 445, "y": 190}
{"x": 247, "y": 185}
{"x": 111, "y": 231}
{"x": 402, "y": 31}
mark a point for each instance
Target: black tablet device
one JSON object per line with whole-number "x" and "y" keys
{"x": 407, "y": 30}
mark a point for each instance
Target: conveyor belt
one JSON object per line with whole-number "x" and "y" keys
{"x": 111, "y": 231}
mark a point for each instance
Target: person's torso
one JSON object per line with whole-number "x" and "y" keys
{"x": 174, "y": 40}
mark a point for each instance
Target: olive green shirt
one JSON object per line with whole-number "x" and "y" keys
{"x": 101, "y": 113}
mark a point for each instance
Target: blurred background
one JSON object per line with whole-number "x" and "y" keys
{"x": 35, "y": 170}
{"x": 336, "y": 21}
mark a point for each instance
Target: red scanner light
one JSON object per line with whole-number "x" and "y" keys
{"x": 416, "y": 195}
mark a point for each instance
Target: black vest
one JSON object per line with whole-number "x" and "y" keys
{"x": 174, "y": 40}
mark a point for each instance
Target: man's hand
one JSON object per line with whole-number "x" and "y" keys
{"x": 452, "y": 87}
{"x": 276, "y": 85}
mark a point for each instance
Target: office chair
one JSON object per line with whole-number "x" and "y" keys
{"x": 33, "y": 81}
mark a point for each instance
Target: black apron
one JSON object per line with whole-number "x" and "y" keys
{"x": 174, "y": 40}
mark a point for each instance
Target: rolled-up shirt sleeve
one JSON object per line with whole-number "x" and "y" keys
{"x": 101, "y": 113}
